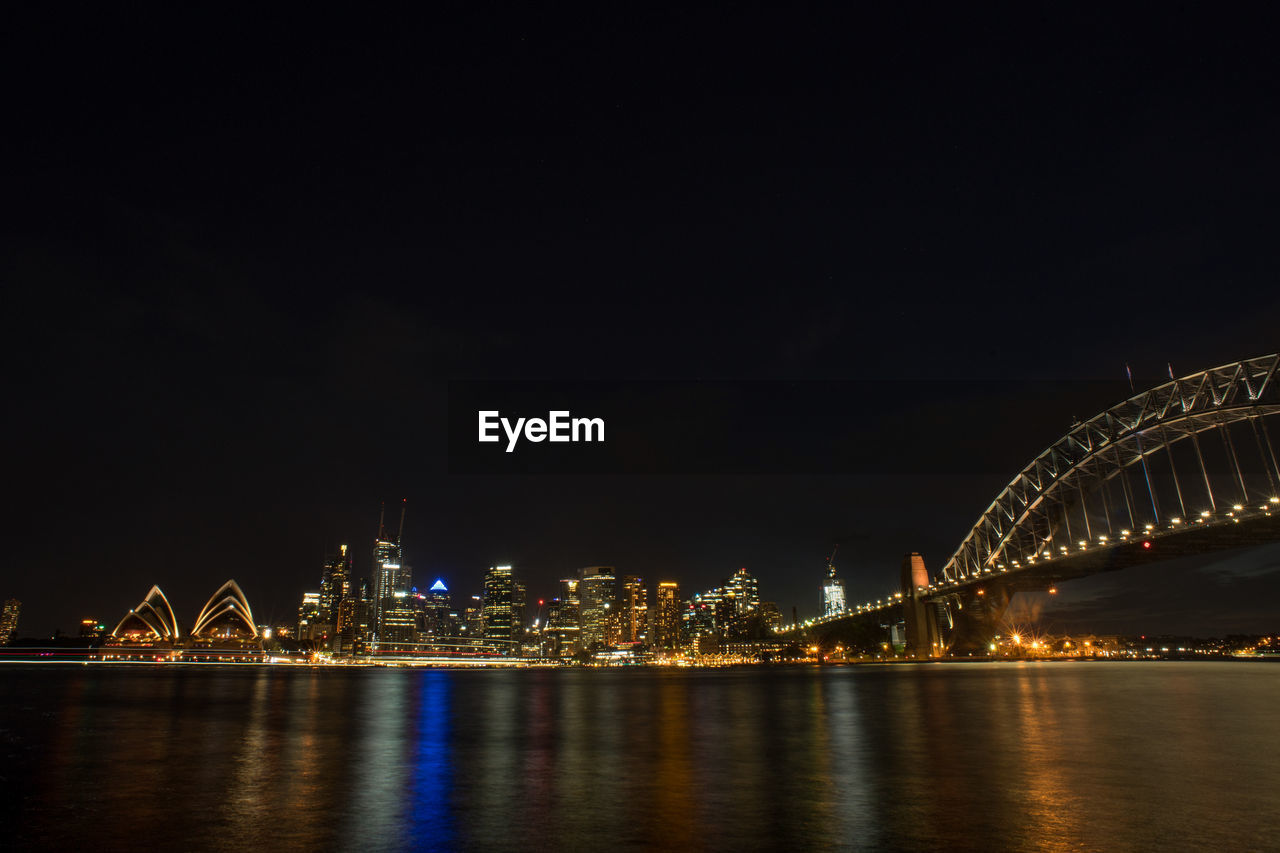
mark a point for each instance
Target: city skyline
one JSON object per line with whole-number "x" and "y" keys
{"x": 1087, "y": 605}
{"x": 388, "y": 576}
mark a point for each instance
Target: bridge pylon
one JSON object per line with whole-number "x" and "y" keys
{"x": 923, "y": 637}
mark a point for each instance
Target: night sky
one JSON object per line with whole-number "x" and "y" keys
{"x": 244, "y": 259}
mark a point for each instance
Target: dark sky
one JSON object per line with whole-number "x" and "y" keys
{"x": 243, "y": 258}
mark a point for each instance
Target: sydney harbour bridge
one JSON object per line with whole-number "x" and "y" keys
{"x": 1185, "y": 468}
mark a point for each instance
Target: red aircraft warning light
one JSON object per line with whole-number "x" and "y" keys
{"x": 1147, "y": 544}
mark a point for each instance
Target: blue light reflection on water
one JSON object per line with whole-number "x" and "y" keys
{"x": 430, "y": 818}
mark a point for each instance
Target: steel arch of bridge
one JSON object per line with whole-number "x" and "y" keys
{"x": 1031, "y": 519}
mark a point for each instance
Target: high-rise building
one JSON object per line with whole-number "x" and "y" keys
{"x": 699, "y": 616}
{"x": 500, "y": 609}
{"x": 335, "y": 583}
{"x": 361, "y": 619}
{"x": 390, "y": 576}
{"x": 437, "y": 620}
{"x": 9, "y": 620}
{"x": 519, "y": 609}
{"x": 399, "y": 623}
{"x": 310, "y": 625}
{"x": 832, "y": 593}
{"x": 346, "y": 631}
{"x": 562, "y": 620}
{"x": 744, "y": 589}
{"x": 473, "y": 620}
{"x": 666, "y": 622}
{"x": 596, "y": 593}
{"x": 770, "y": 616}
{"x": 633, "y": 610}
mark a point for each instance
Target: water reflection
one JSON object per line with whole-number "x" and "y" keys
{"x": 431, "y": 791}
{"x": 1007, "y": 756}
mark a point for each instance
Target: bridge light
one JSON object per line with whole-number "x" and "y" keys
{"x": 1237, "y": 507}
{"x": 1275, "y": 500}
{"x": 1204, "y": 514}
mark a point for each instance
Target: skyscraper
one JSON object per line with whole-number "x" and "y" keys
{"x": 519, "y": 613}
{"x": 633, "y": 610}
{"x": 437, "y": 620}
{"x": 832, "y": 593}
{"x": 310, "y": 623}
{"x": 9, "y": 620}
{"x": 347, "y": 628}
{"x": 562, "y": 620}
{"x": 666, "y": 622}
{"x": 500, "y": 625}
{"x": 399, "y": 622}
{"x": 699, "y": 617}
{"x": 744, "y": 588}
{"x": 335, "y": 583}
{"x": 390, "y": 576}
{"x": 596, "y": 592}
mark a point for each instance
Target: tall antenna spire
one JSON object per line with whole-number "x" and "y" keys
{"x": 404, "y": 502}
{"x": 382, "y": 517}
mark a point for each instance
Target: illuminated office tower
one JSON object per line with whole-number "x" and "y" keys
{"x": 699, "y": 615}
{"x": 399, "y": 622}
{"x": 633, "y": 610}
{"x": 473, "y": 620}
{"x": 346, "y": 633}
{"x": 499, "y": 603}
{"x": 335, "y": 583}
{"x": 832, "y": 593}
{"x": 596, "y": 594}
{"x": 362, "y": 618}
{"x": 770, "y": 615}
{"x": 436, "y": 617}
{"x": 562, "y": 620}
{"x": 309, "y": 621}
{"x": 744, "y": 589}
{"x": 519, "y": 605}
{"x": 9, "y": 620}
{"x": 389, "y": 575}
{"x": 666, "y": 622}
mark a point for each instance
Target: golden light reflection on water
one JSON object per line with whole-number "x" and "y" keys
{"x": 1000, "y": 756}
{"x": 674, "y": 792}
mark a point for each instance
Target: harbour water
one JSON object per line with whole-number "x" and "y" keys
{"x": 992, "y": 756}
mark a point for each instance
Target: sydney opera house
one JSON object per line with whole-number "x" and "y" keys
{"x": 223, "y": 630}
